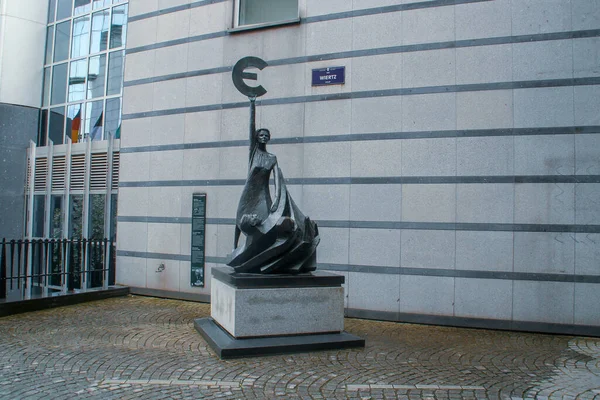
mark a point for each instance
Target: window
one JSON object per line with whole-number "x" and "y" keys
{"x": 56, "y": 216}
{"x": 59, "y": 82}
{"x": 83, "y": 71}
{"x": 265, "y": 12}
{"x": 61, "y": 44}
{"x": 57, "y": 120}
{"x": 99, "y": 31}
{"x": 80, "y": 42}
{"x": 39, "y": 207}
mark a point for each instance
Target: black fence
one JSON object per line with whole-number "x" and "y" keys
{"x": 55, "y": 266}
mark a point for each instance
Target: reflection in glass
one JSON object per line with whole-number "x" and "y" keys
{"x": 64, "y": 9}
{"x": 49, "y": 41}
{"x": 96, "y": 232}
{"x": 41, "y": 139}
{"x": 96, "y": 216}
{"x": 113, "y": 217}
{"x": 81, "y": 6}
{"x": 56, "y": 216}
{"x": 112, "y": 121}
{"x": 118, "y": 31}
{"x": 81, "y": 36}
{"x": 51, "y": 10}
{"x": 39, "y": 207}
{"x": 96, "y": 73}
{"x": 101, "y": 4}
{"x": 76, "y": 217}
{"x": 56, "y": 232}
{"x": 46, "y": 94}
{"x": 115, "y": 72}
{"x": 57, "y": 121}
{"x": 93, "y": 120}
{"x": 99, "y": 38}
{"x": 73, "y": 127}
{"x": 59, "y": 84}
{"x": 61, "y": 41}
{"x": 77, "y": 77}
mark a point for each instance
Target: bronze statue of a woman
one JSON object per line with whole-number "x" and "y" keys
{"x": 279, "y": 238}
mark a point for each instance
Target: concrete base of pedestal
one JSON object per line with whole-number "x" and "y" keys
{"x": 277, "y": 311}
{"x": 226, "y": 346}
{"x": 265, "y": 314}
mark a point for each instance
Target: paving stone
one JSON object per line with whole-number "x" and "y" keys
{"x": 147, "y": 348}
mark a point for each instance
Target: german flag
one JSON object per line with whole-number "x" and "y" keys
{"x": 75, "y": 127}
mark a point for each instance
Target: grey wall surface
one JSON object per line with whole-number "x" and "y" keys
{"x": 18, "y": 125}
{"x": 455, "y": 176}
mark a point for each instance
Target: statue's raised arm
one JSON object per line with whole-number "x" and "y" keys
{"x": 252, "y": 139}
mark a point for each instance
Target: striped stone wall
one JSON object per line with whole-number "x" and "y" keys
{"x": 455, "y": 176}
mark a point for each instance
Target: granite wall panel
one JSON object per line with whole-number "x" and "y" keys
{"x": 18, "y": 126}
{"x": 454, "y": 174}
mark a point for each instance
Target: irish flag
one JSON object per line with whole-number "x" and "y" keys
{"x": 96, "y": 133}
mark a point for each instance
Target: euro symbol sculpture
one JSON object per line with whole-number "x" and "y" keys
{"x": 239, "y": 75}
{"x": 279, "y": 238}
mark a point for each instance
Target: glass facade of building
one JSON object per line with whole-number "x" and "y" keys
{"x": 83, "y": 72}
{"x": 71, "y": 190}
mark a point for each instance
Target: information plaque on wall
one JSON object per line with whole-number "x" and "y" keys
{"x": 198, "y": 238}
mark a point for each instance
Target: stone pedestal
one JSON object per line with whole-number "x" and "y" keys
{"x": 265, "y": 314}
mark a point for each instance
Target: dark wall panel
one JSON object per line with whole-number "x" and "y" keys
{"x": 18, "y": 125}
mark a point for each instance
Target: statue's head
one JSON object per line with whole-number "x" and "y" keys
{"x": 263, "y": 136}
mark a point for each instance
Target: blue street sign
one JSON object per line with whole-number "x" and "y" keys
{"x": 328, "y": 76}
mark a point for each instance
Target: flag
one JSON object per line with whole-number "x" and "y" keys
{"x": 75, "y": 127}
{"x": 96, "y": 133}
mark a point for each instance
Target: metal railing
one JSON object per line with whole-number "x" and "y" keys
{"x": 48, "y": 267}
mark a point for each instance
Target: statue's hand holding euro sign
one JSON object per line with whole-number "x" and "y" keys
{"x": 239, "y": 74}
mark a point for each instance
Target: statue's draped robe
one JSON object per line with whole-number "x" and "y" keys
{"x": 282, "y": 240}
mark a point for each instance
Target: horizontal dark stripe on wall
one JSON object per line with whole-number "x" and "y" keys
{"x": 371, "y": 269}
{"x": 477, "y": 87}
{"x": 180, "y": 75}
{"x": 388, "y": 9}
{"x": 434, "y": 226}
{"x": 157, "y": 256}
{"x": 465, "y": 322}
{"x": 173, "y": 220}
{"x": 393, "y": 180}
{"x": 409, "y": 48}
{"x": 158, "y": 220}
{"x": 454, "y": 273}
{"x": 167, "y": 256}
{"x": 176, "y": 42}
{"x": 169, "y": 10}
{"x": 326, "y": 17}
{"x": 540, "y": 37}
{"x": 357, "y": 137}
{"x": 168, "y": 294}
{"x": 462, "y": 226}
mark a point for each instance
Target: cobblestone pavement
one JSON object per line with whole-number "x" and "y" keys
{"x": 146, "y": 348}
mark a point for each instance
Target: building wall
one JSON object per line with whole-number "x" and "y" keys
{"x": 454, "y": 176}
{"x": 22, "y": 39}
{"x": 22, "y": 44}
